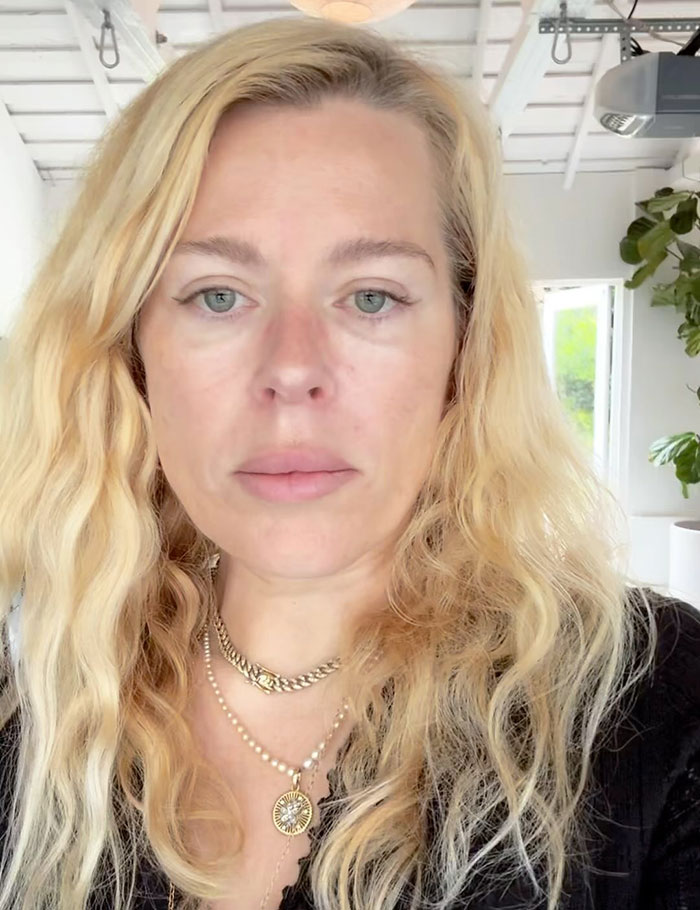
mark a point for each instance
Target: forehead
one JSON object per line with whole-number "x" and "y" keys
{"x": 341, "y": 159}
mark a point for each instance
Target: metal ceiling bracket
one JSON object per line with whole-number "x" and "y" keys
{"x": 624, "y": 27}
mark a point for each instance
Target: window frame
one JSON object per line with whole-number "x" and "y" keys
{"x": 612, "y": 372}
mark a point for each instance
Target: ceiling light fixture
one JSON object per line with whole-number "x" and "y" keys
{"x": 352, "y": 12}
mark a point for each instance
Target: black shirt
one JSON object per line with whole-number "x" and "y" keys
{"x": 644, "y": 792}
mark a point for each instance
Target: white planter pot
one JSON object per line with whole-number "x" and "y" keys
{"x": 684, "y": 561}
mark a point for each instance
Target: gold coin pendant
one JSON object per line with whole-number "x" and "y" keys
{"x": 292, "y": 813}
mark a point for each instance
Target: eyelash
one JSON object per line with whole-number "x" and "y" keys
{"x": 401, "y": 299}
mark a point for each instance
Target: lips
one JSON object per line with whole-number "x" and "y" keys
{"x": 297, "y": 486}
{"x": 285, "y": 461}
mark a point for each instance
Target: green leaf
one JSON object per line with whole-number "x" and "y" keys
{"x": 690, "y": 253}
{"x": 646, "y": 271}
{"x": 682, "y": 222}
{"x": 663, "y": 203}
{"x": 684, "y": 295}
{"x": 629, "y": 251}
{"x": 689, "y": 205}
{"x": 684, "y": 219}
{"x": 665, "y": 295}
{"x": 691, "y": 333}
{"x": 639, "y": 227}
{"x": 655, "y": 240}
{"x": 653, "y": 216}
{"x": 665, "y": 191}
{"x": 668, "y": 448}
{"x": 688, "y": 465}
{"x": 695, "y": 287}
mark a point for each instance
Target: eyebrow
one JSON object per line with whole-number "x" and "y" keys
{"x": 242, "y": 252}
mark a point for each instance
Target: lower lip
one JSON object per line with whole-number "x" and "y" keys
{"x": 295, "y": 486}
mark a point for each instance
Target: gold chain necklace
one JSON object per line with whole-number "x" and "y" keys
{"x": 293, "y": 810}
{"x": 263, "y": 678}
{"x": 256, "y": 674}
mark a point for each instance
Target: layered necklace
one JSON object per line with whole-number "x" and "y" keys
{"x": 292, "y": 812}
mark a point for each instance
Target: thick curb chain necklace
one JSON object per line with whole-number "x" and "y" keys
{"x": 262, "y": 678}
{"x": 258, "y": 675}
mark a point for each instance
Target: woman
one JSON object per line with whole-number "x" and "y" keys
{"x": 282, "y": 456}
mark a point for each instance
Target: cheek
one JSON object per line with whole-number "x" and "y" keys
{"x": 407, "y": 414}
{"x": 184, "y": 411}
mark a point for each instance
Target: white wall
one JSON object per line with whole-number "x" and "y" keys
{"x": 567, "y": 235}
{"x": 575, "y": 235}
{"x": 21, "y": 219}
{"x": 58, "y": 197}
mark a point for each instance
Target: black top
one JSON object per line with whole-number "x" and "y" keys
{"x": 645, "y": 798}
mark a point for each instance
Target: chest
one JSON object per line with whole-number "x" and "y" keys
{"x": 260, "y": 874}
{"x": 267, "y": 860}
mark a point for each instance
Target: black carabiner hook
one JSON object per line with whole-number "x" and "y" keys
{"x": 562, "y": 21}
{"x": 108, "y": 26}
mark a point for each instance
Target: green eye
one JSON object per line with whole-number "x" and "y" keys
{"x": 400, "y": 299}
{"x": 219, "y": 299}
{"x": 376, "y": 305}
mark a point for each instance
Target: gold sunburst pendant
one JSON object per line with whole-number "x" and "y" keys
{"x": 293, "y": 811}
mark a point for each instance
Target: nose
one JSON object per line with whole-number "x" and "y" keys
{"x": 295, "y": 356}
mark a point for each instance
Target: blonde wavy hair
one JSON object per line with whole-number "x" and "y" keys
{"x": 509, "y": 635}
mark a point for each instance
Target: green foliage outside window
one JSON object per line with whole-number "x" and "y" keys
{"x": 575, "y": 347}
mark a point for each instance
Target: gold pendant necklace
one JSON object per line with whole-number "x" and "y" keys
{"x": 292, "y": 812}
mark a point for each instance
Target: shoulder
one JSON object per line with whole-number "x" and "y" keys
{"x": 10, "y": 734}
{"x": 669, "y": 696}
{"x": 9, "y": 751}
{"x": 652, "y": 743}
{"x": 657, "y": 797}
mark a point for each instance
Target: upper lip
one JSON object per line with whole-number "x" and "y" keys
{"x": 283, "y": 461}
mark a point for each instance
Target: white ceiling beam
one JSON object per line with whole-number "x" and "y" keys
{"x": 685, "y": 172}
{"x": 609, "y": 47}
{"x": 686, "y": 149}
{"x": 11, "y": 141}
{"x": 528, "y": 58}
{"x": 216, "y": 13}
{"x": 478, "y": 57}
{"x": 589, "y": 165}
{"x": 94, "y": 67}
{"x": 148, "y": 11}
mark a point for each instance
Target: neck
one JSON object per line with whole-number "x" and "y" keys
{"x": 292, "y": 626}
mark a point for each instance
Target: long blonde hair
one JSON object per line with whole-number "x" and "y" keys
{"x": 509, "y": 634}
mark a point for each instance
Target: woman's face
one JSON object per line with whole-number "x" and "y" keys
{"x": 294, "y": 347}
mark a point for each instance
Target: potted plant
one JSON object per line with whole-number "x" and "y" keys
{"x": 649, "y": 240}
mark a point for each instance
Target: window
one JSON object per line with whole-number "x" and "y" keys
{"x": 578, "y": 335}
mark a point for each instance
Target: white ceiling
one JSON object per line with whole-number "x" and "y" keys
{"x": 59, "y": 108}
